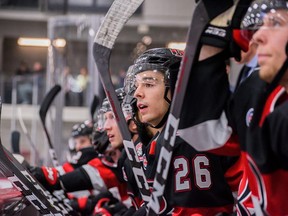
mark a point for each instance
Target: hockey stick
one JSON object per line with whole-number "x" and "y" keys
{"x": 118, "y": 14}
{"x": 15, "y": 142}
{"x": 24, "y": 129}
{"x": 15, "y": 145}
{"x": 26, "y": 184}
{"x": 94, "y": 105}
{"x": 204, "y": 12}
{"x": 43, "y": 112}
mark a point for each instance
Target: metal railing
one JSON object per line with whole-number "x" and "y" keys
{"x": 31, "y": 84}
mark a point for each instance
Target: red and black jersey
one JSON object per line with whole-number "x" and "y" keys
{"x": 267, "y": 153}
{"x": 220, "y": 120}
{"x": 100, "y": 174}
{"x": 241, "y": 108}
{"x": 209, "y": 119}
{"x": 196, "y": 182}
{"x": 83, "y": 156}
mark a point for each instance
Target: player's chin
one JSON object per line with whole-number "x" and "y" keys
{"x": 116, "y": 145}
{"x": 266, "y": 74}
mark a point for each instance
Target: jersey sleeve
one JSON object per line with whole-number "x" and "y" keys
{"x": 76, "y": 180}
{"x": 204, "y": 123}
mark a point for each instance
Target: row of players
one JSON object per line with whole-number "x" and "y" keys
{"x": 229, "y": 149}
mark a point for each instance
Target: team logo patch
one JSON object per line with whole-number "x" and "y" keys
{"x": 139, "y": 151}
{"x": 249, "y": 116}
{"x": 176, "y": 52}
{"x": 145, "y": 162}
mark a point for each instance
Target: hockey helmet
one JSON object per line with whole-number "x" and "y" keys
{"x": 107, "y": 107}
{"x": 253, "y": 20}
{"x": 164, "y": 60}
{"x": 83, "y": 129}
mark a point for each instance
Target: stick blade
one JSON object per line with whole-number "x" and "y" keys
{"x": 116, "y": 17}
{"x": 48, "y": 100}
{"x": 118, "y": 14}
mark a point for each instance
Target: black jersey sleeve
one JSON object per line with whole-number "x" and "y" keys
{"x": 203, "y": 122}
{"x": 76, "y": 180}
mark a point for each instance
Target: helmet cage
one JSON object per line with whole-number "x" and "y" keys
{"x": 131, "y": 79}
{"x": 106, "y": 107}
{"x": 254, "y": 19}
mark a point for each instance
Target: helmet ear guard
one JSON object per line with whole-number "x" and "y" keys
{"x": 100, "y": 141}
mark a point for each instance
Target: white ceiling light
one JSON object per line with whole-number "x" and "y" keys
{"x": 40, "y": 42}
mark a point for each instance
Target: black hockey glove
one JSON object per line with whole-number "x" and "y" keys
{"x": 84, "y": 205}
{"x": 219, "y": 33}
{"x": 107, "y": 207}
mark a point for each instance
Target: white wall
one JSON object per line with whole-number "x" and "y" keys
{"x": 170, "y": 9}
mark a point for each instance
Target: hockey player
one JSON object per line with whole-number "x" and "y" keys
{"x": 106, "y": 203}
{"x": 141, "y": 135}
{"x": 243, "y": 113}
{"x": 101, "y": 173}
{"x": 196, "y": 182}
{"x": 266, "y": 149}
{"x": 81, "y": 143}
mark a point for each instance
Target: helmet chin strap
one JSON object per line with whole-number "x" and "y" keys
{"x": 165, "y": 117}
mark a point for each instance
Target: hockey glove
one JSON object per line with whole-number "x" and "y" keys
{"x": 47, "y": 176}
{"x": 84, "y": 205}
{"x": 219, "y": 33}
{"x": 108, "y": 207}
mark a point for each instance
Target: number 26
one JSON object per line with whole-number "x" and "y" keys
{"x": 202, "y": 177}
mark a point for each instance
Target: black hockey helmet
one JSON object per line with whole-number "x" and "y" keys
{"x": 253, "y": 20}
{"x": 163, "y": 60}
{"x": 106, "y": 104}
{"x": 82, "y": 129}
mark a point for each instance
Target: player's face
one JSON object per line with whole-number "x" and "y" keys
{"x": 272, "y": 39}
{"x": 82, "y": 142}
{"x": 112, "y": 129}
{"x": 150, "y": 92}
